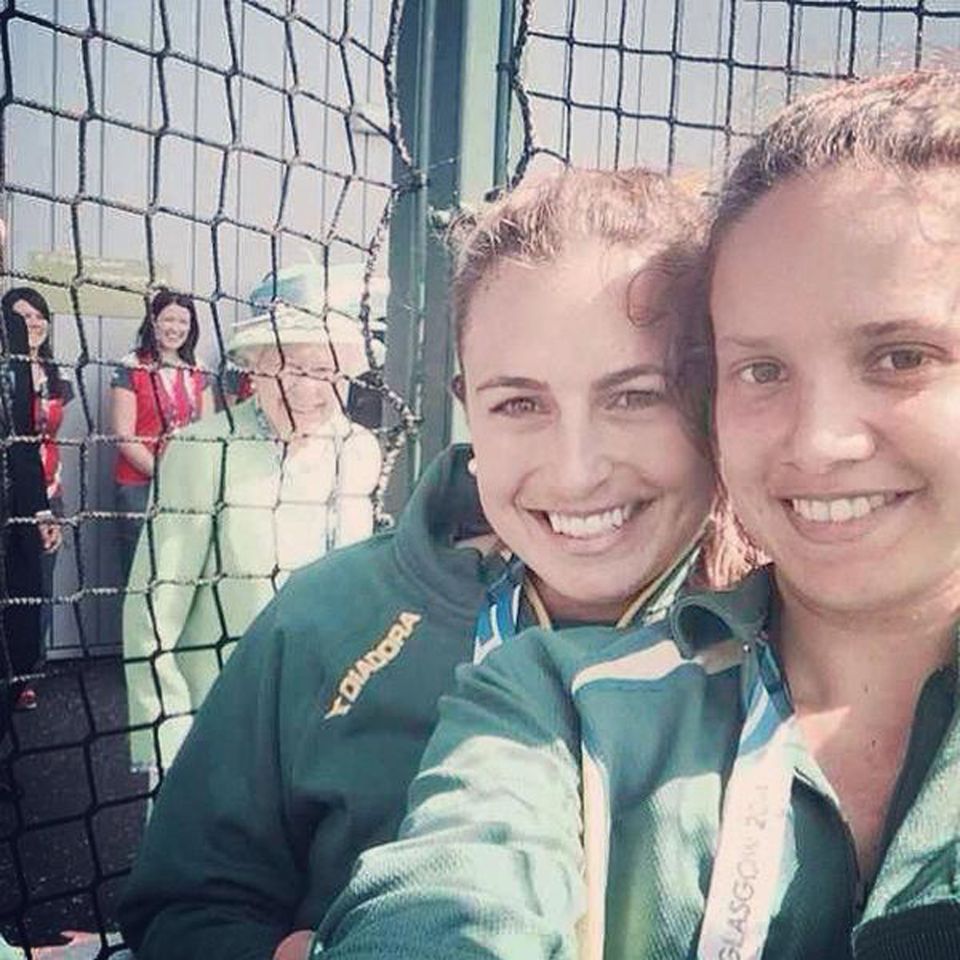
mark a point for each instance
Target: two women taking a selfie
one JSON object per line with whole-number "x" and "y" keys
{"x": 659, "y": 768}
{"x": 770, "y": 771}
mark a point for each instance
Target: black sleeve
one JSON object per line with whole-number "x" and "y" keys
{"x": 28, "y": 493}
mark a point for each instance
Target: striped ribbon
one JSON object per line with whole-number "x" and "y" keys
{"x": 499, "y": 616}
{"x": 754, "y": 824}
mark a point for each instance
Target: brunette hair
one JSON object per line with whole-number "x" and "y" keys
{"x": 146, "y": 337}
{"x": 537, "y": 223}
{"x": 908, "y": 122}
{"x": 902, "y": 121}
{"x": 16, "y": 396}
{"x": 55, "y": 383}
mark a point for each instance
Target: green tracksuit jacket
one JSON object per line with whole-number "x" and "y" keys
{"x": 302, "y": 752}
{"x": 569, "y": 805}
{"x": 301, "y": 755}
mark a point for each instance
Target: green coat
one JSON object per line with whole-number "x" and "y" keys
{"x": 569, "y": 805}
{"x": 301, "y": 755}
{"x": 233, "y": 518}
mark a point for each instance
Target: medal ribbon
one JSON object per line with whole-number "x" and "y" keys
{"x": 498, "y": 617}
{"x": 754, "y": 822}
{"x": 180, "y": 404}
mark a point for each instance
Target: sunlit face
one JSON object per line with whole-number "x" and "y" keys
{"x": 38, "y": 327}
{"x": 836, "y": 306}
{"x": 584, "y": 466}
{"x": 296, "y": 392}
{"x": 171, "y": 327}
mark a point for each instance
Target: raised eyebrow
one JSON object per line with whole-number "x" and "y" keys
{"x": 619, "y": 377}
{"x": 876, "y": 329}
{"x": 513, "y": 383}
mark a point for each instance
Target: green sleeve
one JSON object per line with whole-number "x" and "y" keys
{"x": 170, "y": 558}
{"x": 216, "y": 877}
{"x": 489, "y": 861}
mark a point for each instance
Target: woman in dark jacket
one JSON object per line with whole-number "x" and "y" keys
{"x": 50, "y": 393}
{"x": 22, "y": 497}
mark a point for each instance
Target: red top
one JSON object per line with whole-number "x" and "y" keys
{"x": 47, "y": 419}
{"x": 164, "y": 403}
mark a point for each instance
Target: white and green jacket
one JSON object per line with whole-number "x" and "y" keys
{"x": 568, "y": 805}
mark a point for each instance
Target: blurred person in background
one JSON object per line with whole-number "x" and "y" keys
{"x": 27, "y": 529}
{"x": 243, "y": 498}
{"x": 51, "y": 393}
{"x": 364, "y": 396}
{"x": 154, "y": 390}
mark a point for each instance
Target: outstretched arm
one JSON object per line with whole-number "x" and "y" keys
{"x": 489, "y": 859}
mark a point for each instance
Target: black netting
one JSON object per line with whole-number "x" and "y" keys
{"x": 682, "y": 84}
{"x": 252, "y": 154}
{"x": 248, "y": 154}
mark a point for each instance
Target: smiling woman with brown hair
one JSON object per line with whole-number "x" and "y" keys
{"x": 25, "y": 527}
{"x": 154, "y": 390}
{"x": 50, "y": 394}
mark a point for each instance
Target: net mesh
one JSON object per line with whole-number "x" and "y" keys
{"x": 248, "y": 153}
{"x": 683, "y": 84}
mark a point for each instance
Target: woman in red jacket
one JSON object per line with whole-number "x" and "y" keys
{"x": 155, "y": 390}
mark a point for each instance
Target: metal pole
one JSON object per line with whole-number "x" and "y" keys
{"x": 501, "y": 156}
{"x": 447, "y": 85}
{"x": 418, "y": 260}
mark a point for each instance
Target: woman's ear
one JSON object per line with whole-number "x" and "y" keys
{"x": 458, "y": 388}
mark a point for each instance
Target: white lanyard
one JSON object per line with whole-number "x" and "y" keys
{"x": 753, "y": 829}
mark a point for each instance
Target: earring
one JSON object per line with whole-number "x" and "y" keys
{"x": 472, "y": 466}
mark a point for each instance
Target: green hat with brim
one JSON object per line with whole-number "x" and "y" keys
{"x": 309, "y": 304}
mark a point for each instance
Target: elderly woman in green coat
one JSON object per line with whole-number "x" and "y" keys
{"x": 240, "y": 500}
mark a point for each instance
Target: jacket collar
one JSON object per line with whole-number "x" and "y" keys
{"x": 443, "y": 508}
{"x": 700, "y": 619}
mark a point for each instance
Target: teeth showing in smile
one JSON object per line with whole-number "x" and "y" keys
{"x": 583, "y": 526}
{"x": 841, "y": 509}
